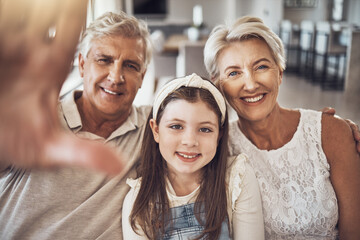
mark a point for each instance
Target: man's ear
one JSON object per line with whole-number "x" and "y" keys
{"x": 155, "y": 129}
{"x": 142, "y": 77}
{"x": 81, "y": 65}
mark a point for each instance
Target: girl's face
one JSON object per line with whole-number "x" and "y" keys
{"x": 188, "y": 135}
{"x": 250, "y": 78}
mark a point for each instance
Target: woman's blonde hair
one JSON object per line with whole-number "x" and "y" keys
{"x": 244, "y": 28}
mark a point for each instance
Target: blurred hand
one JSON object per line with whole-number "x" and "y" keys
{"x": 34, "y": 63}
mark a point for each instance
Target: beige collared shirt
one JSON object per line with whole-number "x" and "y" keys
{"x": 71, "y": 203}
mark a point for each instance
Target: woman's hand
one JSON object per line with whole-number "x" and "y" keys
{"x": 38, "y": 40}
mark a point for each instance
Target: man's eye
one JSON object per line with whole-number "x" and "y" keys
{"x": 103, "y": 60}
{"x": 205, "y": 130}
{"x": 176, "y": 126}
{"x": 234, "y": 73}
{"x": 132, "y": 66}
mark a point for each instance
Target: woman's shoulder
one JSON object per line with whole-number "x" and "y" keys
{"x": 336, "y": 136}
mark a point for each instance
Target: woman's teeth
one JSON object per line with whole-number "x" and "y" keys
{"x": 254, "y": 99}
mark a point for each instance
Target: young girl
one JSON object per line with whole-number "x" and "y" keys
{"x": 188, "y": 188}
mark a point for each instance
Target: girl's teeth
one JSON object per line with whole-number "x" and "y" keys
{"x": 254, "y": 99}
{"x": 187, "y": 156}
{"x": 111, "y": 92}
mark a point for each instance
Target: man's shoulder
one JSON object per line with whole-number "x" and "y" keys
{"x": 142, "y": 112}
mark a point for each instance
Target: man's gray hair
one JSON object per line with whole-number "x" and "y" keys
{"x": 122, "y": 24}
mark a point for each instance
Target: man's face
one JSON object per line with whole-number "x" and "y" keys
{"x": 112, "y": 72}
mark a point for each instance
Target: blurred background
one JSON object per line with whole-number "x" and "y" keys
{"x": 321, "y": 38}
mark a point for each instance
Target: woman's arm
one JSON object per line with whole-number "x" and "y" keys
{"x": 247, "y": 218}
{"x": 340, "y": 149}
{"x": 128, "y": 232}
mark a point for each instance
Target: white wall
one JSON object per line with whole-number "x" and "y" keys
{"x": 354, "y": 12}
{"x": 214, "y": 11}
{"x": 319, "y": 13}
{"x": 270, "y": 11}
{"x": 217, "y": 12}
{"x": 102, "y": 6}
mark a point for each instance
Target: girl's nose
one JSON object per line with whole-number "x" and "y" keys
{"x": 189, "y": 138}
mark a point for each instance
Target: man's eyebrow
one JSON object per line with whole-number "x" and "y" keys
{"x": 103, "y": 55}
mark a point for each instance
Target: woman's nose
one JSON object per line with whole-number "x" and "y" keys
{"x": 250, "y": 82}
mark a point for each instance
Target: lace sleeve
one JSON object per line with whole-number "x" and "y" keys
{"x": 237, "y": 170}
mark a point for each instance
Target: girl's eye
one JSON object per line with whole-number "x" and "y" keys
{"x": 205, "y": 130}
{"x": 176, "y": 126}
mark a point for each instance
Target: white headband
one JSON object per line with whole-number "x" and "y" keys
{"x": 192, "y": 80}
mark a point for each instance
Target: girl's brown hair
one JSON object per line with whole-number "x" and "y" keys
{"x": 151, "y": 207}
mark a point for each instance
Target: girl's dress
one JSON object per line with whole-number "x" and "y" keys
{"x": 244, "y": 207}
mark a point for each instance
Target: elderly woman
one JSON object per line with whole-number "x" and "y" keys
{"x": 306, "y": 162}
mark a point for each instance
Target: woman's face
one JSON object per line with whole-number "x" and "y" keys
{"x": 188, "y": 135}
{"x": 249, "y": 78}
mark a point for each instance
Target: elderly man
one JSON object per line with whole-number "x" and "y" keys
{"x": 79, "y": 203}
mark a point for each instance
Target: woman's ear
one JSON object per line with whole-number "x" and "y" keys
{"x": 154, "y": 129}
{"x": 280, "y": 77}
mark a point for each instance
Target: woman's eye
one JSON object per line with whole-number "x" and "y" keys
{"x": 262, "y": 67}
{"x": 205, "y": 130}
{"x": 176, "y": 126}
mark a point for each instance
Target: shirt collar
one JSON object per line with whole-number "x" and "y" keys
{"x": 73, "y": 119}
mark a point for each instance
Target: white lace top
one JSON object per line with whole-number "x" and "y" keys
{"x": 244, "y": 203}
{"x": 298, "y": 199}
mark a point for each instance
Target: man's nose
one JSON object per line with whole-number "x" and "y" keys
{"x": 115, "y": 73}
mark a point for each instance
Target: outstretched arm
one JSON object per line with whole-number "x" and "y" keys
{"x": 34, "y": 62}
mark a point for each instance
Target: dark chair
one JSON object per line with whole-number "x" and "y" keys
{"x": 329, "y": 57}
{"x": 306, "y": 49}
{"x": 290, "y": 36}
